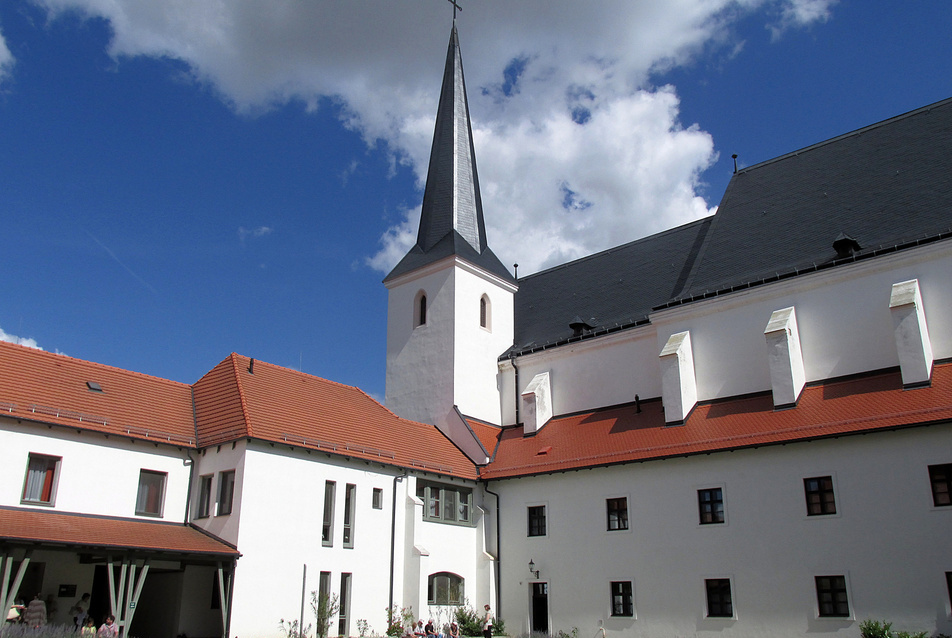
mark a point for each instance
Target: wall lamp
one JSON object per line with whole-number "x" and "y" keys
{"x": 532, "y": 569}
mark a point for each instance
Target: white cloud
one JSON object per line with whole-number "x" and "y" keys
{"x": 23, "y": 341}
{"x": 577, "y": 151}
{"x": 6, "y": 59}
{"x": 254, "y": 233}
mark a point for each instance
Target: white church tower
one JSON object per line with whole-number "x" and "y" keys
{"x": 450, "y": 308}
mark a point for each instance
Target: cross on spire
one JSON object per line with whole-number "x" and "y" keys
{"x": 456, "y": 8}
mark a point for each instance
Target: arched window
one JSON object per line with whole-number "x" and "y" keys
{"x": 485, "y": 313}
{"x": 444, "y": 588}
{"x": 419, "y": 310}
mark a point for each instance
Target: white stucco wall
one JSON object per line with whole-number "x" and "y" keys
{"x": 213, "y": 461}
{"x": 844, "y": 324}
{"x": 886, "y": 538}
{"x": 97, "y": 475}
{"x": 282, "y": 516}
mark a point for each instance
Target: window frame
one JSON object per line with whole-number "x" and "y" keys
{"x": 204, "y": 505}
{"x": 537, "y": 508}
{"x": 620, "y": 519}
{"x": 225, "y": 504}
{"x": 623, "y": 597}
{"x": 432, "y": 592}
{"x": 842, "y": 588}
{"x": 446, "y": 497}
{"x": 485, "y": 313}
{"x": 343, "y": 612}
{"x": 713, "y": 588}
{"x": 716, "y": 517}
{"x": 420, "y": 309}
{"x": 941, "y": 485}
{"x": 820, "y": 492}
{"x": 156, "y": 479}
{"x": 377, "y": 499}
{"x": 350, "y": 506}
{"x": 51, "y": 474}
{"x": 327, "y": 522}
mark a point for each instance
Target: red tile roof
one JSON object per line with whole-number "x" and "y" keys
{"x": 487, "y": 434}
{"x": 618, "y": 435}
{"x": 96, "y": 532}
{"x": 282, "y": 405}
{"x": 51, "y": 388}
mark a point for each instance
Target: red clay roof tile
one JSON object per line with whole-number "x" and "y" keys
{"x": 27, "y": 525}
{"x": 621, "y": 434}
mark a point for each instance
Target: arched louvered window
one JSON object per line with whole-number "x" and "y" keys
{"x": 485, "y": 313}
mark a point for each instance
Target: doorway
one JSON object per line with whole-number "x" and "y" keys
{"x": 539, "y": 608}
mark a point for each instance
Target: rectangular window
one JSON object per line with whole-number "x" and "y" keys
{"x": 622, "y": 604}
{"x": 536, "y": 520}
{"x": 226, "y": 492}
{"x": 819, "y": 493}
{"x": 719, "y": 601}
{"x": 710, "y": 503}
{"x": 327, "y": 530}
{"x": 446, "y": 503}
{"x": 343, "y": 624}
{"x": 378, "y": 498}
{"x": 617, "y": 513}
{"x": 40, "y": 483}
{"x": 350, "y": 495}
{"x": 204, "y": 496}
{"x": 832, "y": 600}
{"x": 151, "y": 494}
{"x": 324, "y": 588}
{"x": 941, "y": 478}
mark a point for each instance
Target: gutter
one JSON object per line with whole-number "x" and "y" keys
{"x": 498, "y": 553}
{"x": 393, "y": 538}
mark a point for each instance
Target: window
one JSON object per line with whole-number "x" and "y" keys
{"x": 622, "y": 604}
{"x": 324, "y": 588}
{"x": 948, "y": 585}
{"x": 819, "y": 493}
{"x": 327, "y": 530}
{"x": 941, "y": 478}
{"x": 832, "y": 600}
{"x": 446, "y": 503}
{"x": 485, "y": 313}
{"x": 617, "y": 513}
{"x": 444, "y": 588}
{"x": 226, "y": 492}
{"x": 204, "y": 496}
{"x": 40, "y": 483}
{"x": 536, "y": 520}
{"x": 151, "y": 493}
{"x": 378, "y": 498}
{"x": 719, "y": 601}
{"x": 419, "y": 310}
{"x": 710, "y": 503}
{"x": 350, "y": 494}
{"x": 343, "y": 625}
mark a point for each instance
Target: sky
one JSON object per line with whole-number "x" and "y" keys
{"x": 183, "y": 179}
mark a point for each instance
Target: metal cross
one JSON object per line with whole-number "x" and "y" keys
{"x": 456, "y": 8}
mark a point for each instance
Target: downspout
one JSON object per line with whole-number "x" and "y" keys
{"x": 191, "y": 477}
{"x": 393, "y": 538}
{"x": 516, "y": 393}
{"x": 231, "y": 596}
{"x": 498, "y": 553}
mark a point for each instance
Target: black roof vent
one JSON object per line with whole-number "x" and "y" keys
{"x": 579, "y": 325}
{"x": 845, "y": 246}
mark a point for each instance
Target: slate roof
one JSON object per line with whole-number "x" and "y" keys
{"x": 887, "y": 186}
{"x": 451, "y": 220}
{"x": 21, "y": 525}
{"x": 621, "y": 434}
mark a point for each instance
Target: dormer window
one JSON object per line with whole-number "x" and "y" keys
{"x": 485, "y": 313}
{"x": 419, "y": 310}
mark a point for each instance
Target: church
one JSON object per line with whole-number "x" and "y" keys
{"x": 738, "y": 427}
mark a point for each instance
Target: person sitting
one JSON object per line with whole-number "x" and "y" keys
{"x": 418, "y": 630}
{"x": 454, "y": 631}
{"x": 430, "y": 629}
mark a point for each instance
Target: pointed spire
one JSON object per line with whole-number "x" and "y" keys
{"x": 451, "y": 200}
{"x": 451, "y": 222}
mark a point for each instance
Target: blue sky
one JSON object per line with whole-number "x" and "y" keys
{"x": 180, "y": 180}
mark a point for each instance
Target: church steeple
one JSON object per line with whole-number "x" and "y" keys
{"x": 451, "y": 222}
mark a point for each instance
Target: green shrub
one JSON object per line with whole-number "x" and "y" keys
{"x": 874, "y": 629}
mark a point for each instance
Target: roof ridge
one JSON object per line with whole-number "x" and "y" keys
{"x": 245, "y": 415}
{"x": 855, "y": 132}
{"x": 96, "y": 364}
